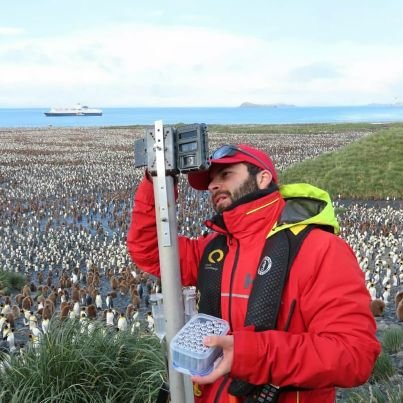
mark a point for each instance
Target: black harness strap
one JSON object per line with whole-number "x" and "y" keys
{"x": 272, "y": 273}
{"x": 264, "y": 301}
{"x": 209, "y": 276}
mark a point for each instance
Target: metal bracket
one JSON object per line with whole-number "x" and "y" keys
{"x": 159, "y": 149}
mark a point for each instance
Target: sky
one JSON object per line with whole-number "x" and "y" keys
{"x": 130, "y": 53}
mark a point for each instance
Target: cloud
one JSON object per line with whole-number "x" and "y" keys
{"x": 313, "y": 71}
{"x": 126, "y": 57}
{"x": 146, "y": 65}
{"x": 11, "y": 31}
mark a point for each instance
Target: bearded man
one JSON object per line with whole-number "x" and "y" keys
{"x": 322, "y": 335}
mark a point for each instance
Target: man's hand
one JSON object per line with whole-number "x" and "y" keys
{"x": 224, "y": 366}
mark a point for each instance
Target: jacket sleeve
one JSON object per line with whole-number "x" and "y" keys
{"x": 335, "y": 345}
{"x": 142, "y": 240}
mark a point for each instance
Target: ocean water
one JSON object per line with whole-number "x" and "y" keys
{"x": 34, "y": 117}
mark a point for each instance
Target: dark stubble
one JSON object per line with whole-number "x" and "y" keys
{"x": 249, "y": 186}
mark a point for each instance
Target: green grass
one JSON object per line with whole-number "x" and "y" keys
{"x": 392, "y": 339}
{"x": 309, "y": 128}
{"x": 383, "y": 368}
{"x": 71, "y": 365}
{"x": 382, "y": 387}
{"x": 371, "y": 168}
{"x": 297, "y": 129}
{"x": 10, "y": 281}
{"x": 379, "y": 393}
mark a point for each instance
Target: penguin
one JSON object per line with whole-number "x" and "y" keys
{"x": 114, "y": 283}
{"x": 92, "y": 311}
{"x": 399, "y": 311}
{"x": 122, "y": 322}
{"x": 398, "y": 298}
{"x": 45, "y": 324}
{"x": 64, "y": 312}
{"x": 130, "y": 309}
{"x": 27, "y": 303}
{"x": 110, "y": 317}
{"x": 98, "y": 300}
{"x": 377, "y": 307}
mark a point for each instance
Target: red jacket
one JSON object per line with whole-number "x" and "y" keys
{"x": 331, "y": 337}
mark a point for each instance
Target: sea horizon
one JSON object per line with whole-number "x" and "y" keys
{"x": 255, "y": 114}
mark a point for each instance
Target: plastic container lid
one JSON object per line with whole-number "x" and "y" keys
{"x": 189, "y": 355}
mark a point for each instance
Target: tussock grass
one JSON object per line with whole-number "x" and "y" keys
{"x": 392, "y": 339}
{"x": 386, "y": 393}
{"x": 10, "y": 281}
{"x": 383, "y": 386}
{"x": 371, "y": 168}
{"x": 383, "y": 368}
{"x": 73, "y": 364}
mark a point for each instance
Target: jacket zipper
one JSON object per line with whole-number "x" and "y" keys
{"x": 226, "y": 377}
{"x": 220, "y": 389}
{"x": 290, "y": 313}
{"x": 234, "y": 267}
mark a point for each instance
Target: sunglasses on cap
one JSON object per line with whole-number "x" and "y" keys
{"x": 229, "y": 150}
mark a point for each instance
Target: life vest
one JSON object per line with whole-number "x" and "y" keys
{"x": 307, "y": 207}
{"x": 276, "y": 261}
{"x": 280, "y": 249}
{"x": 264, "y": 301}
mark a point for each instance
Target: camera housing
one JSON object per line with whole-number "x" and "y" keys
{"x": 185, "y": 149}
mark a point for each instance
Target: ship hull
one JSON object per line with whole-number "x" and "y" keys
{"x": 73, "y": 114}
{"x": 77, "y": 110}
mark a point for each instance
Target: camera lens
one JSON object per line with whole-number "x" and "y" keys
{"x": 189, "y": 160}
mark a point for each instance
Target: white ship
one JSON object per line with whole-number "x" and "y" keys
{"x": 77, "y": 110}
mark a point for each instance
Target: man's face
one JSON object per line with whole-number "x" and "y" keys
{"x": 229, "y": 183}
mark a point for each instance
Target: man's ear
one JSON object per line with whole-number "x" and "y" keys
{"x": 263, "y": 179}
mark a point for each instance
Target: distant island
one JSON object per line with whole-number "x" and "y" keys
{"x": 253, "y": 105}
{"x": 392, "y": 104}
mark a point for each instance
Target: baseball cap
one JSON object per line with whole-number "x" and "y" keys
{"x": 232, "y": 154}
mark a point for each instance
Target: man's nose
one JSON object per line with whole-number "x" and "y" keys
{"x": 213, "y": 185}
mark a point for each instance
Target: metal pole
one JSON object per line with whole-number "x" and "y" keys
{"x": 165, "y": 207}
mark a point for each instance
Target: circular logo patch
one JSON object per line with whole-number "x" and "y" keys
{"x": 215, "y": 256}
{"x": 265, "y": 266}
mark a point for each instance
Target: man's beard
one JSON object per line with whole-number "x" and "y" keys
{"x": 249, "y": 186}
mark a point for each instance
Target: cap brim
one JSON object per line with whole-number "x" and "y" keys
{"x": 200, "y": 180}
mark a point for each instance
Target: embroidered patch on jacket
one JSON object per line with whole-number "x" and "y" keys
{"x": 215, "y": 256}
{"x": 265, "y": 266}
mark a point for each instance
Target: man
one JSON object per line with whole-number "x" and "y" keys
{"x": 324, "y": 333}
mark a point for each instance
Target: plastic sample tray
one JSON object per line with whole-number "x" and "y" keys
{"x": 189, "y": 355}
